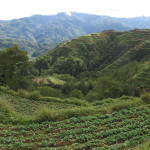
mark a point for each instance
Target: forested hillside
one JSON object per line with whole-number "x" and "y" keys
{"x": 99, "y": 51}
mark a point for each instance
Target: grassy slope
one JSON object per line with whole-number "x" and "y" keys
{"x": 28, "y": 107}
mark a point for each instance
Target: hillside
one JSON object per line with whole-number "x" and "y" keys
{"x": 99, "y": 51}
{"x": 91, "y": 92}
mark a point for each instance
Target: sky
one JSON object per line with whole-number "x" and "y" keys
{"x": 14, "y": 9}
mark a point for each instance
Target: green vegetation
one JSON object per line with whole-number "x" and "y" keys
{"x": 91, "y": 92}
{"x": 144, "y": 146}
{"x": 38, "y": 34}
{"x": 117, "y": 130}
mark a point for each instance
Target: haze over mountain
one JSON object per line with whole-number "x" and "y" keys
{"x": 38, "y": 34}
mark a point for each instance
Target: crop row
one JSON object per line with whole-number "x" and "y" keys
{"x": 115, "y": 131}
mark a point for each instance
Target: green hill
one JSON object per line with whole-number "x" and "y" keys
{"x": 91, "y": 92}
{"x": 111, "y": 55}
{"x": 98, "y": 51}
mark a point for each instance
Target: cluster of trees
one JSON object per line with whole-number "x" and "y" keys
{"x": 18, "y": 72}
{"x": 13, "y": 65}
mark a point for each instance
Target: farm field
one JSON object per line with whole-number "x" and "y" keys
{"x": 116, "y": 131}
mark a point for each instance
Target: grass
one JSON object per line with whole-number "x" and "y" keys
{"x": 56, "y": 80}
{"x": 27, "y": 106}
{"x": 55, "y": 115}
{"x": 144, "y": 146}
{"x": 49, "y": 109}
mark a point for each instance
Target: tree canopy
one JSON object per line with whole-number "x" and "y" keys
{"x": 11, "y": 61}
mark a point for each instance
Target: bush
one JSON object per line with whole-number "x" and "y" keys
{"x": 22, "y": 93}
{"x": 76, "y": 94}
{"x": 50, "y": 92}
{"x": 3, "y": 89}
{"x": 91, "y": 96}
{"x": 46, "y": 114}
{"x": 124, "y": 105}
{"x": 74, "y": 101}
{"x": 7, "y": 90}
{"x": 143, "y": 146}
{"x": 35, "y": 95}
{"x": 146, "y": 98}
{"x": 20, "y": 83}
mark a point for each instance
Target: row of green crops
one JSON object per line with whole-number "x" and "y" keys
{"x": 116, "y": 131}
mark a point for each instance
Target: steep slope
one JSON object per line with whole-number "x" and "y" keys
{"x": 98, "y": 51}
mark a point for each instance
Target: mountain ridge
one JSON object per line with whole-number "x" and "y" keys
{"x": 45, "y": 32}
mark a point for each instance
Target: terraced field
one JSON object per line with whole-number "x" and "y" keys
{"x": 116, "y": 131}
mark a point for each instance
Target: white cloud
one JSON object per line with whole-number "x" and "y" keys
{"x": 10, "y": 9}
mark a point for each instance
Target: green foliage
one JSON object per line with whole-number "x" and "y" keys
{"x": 72, "y": 66}
{"x": 19, "y": 82}
{"x": 52, "y": 115}
{"x": 146, "y": 97}
{"x": 124, "y": 105}
{"x": 74, "y": 101}
{"x": 35, "y": 95}
{"x": 38, "y": 34}
{"x": 76, "y": 94}
{"x": 11, "y": 62}
{"x": 119, "y": 130}
{"x": 105, "y": 87}
{"x": 50, "y": 92}
{"x": 144, "y": 146}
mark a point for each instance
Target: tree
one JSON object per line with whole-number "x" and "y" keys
{"x": 77, "y": 94}
{"x": 11, "y": 61}
{"x": 107, "y": 87}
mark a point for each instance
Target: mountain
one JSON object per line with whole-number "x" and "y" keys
{"x": 38, "y": 34}
{"x": 51, "y": 30}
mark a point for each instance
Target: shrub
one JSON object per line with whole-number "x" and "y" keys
{"x": 125, "y": 104}
{"x": 91, "y": 96}
{"x": 144, "y": 146}
{"x": 50, "y": 92}
{"x": 6, "y": 111}
{"x": 3, "y": 89}
{"x": 77, "y": 94}
{"x": 74, "y": 101}
{"x": 46, "y": 114}
{"x": 22, "y": 93}
{"x": 124, "y": 98}
{"x": 35, "y": 95}
{"x": 146, "y": 98}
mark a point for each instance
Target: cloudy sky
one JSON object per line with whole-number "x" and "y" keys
{"x": 10, "y": 9}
